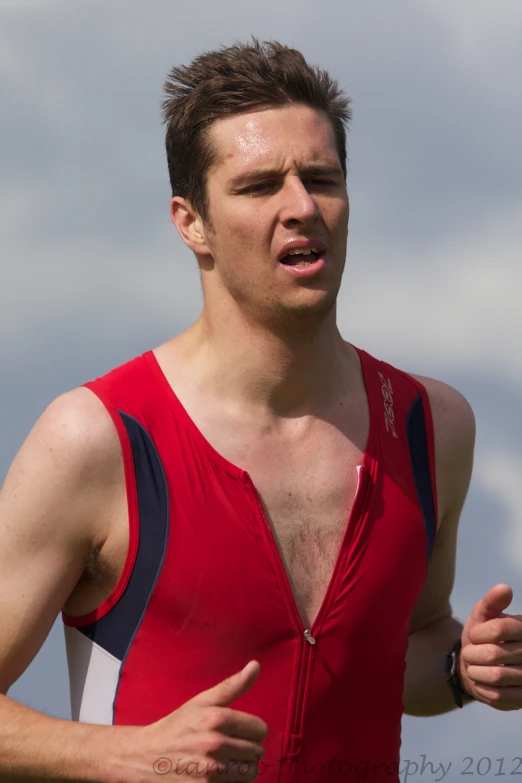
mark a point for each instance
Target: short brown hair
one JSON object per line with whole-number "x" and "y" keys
{"x": 235, "y": 80}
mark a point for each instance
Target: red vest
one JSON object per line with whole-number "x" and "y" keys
{"x": 204, "y": 590}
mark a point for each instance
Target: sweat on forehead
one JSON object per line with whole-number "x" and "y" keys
{"x": 273, "y": 138}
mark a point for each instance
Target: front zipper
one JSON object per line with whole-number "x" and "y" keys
{"x": 308, "y": 639}
{"x": 298, "y": 707}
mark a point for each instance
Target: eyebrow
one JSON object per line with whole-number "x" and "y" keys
{"x": 310, "y": 171}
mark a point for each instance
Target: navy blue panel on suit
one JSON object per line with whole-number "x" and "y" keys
{"x": 418, "y": 445}
{"x": 116, "y": 630}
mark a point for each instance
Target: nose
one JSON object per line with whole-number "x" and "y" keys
{"x": 297, "y": 205}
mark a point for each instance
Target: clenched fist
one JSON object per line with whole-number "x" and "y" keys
{"x": 491, "y": 656}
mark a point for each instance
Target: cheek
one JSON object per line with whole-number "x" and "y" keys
{"x": 238, "y": 231}
{"x": 337, "y": 212}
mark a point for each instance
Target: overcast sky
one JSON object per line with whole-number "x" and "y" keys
{"x": 92, "y": 272}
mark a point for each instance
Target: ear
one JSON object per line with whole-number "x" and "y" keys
{"x": 189, "y": 225}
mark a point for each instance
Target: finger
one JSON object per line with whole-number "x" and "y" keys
{"x": 500, "y": 698}
{"x": 232, "y": 749}
{"x": 497, "y": 676}
{"x": 231, "y": 688}
{"x": 492, "y": 654}
{"x": 235, "y": 723}
{"x": 500, "y": 629}
{"x": 494, "y": 602}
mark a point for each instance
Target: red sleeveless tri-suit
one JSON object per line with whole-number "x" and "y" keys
{"x": 204, "y": 589}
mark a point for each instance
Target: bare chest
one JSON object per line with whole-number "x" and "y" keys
{"x": 307, "y": 508}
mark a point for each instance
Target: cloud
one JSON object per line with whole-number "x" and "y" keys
{"x": 473, "y": 24}
{"x": 456, "y": 303}
{"x": 500, "y": 472}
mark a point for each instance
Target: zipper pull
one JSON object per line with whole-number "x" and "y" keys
{"x": 309, "y": 638}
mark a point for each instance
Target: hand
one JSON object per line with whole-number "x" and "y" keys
{"x": 203, "y": 740}
{"x": 491, "y": 655}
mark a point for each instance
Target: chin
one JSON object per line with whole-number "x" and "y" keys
{"x": 306, "y": 313}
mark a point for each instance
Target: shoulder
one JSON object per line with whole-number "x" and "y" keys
{"x": 68, "y": 461}
{"x": 453, "y": 416}
{"x": 78, "y": 430}
{"x": 454, "y": 434}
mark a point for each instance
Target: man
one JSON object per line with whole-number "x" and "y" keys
{"x": 253, "y": 496}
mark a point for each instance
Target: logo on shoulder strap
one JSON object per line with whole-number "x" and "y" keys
{"x": 389, "y": 415}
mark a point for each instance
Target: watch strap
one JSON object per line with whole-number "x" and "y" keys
{"x": 451, "y": 669}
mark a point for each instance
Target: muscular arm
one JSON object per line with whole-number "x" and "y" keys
{"x": 433, "y": 629}
{"x": 50, "y": 512}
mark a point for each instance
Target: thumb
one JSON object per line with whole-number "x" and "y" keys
{"x": 492, "y": 605}
{"x": 231, "y": 688}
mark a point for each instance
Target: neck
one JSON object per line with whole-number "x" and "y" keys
{"x": 282, "y": 373}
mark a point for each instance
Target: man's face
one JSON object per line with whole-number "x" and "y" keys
{"x": 278, "y": 182}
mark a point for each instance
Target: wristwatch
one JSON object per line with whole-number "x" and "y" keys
{"x": 452, "y": 675}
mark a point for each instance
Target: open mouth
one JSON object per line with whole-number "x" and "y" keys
{"x": 301, "y": 258}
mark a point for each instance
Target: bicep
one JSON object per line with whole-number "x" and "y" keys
{"x": 37, "y": 573}
{"x": 46, "y": 529}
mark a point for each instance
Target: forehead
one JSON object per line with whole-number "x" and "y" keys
{"x": 275, "y": 137}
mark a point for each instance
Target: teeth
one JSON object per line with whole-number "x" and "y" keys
{"x": 304, "y": 251}
{"x": 300, "y": 252}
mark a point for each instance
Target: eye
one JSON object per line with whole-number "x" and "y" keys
{"x": 260, "y": 187}
{"x": 320, "y": 182}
